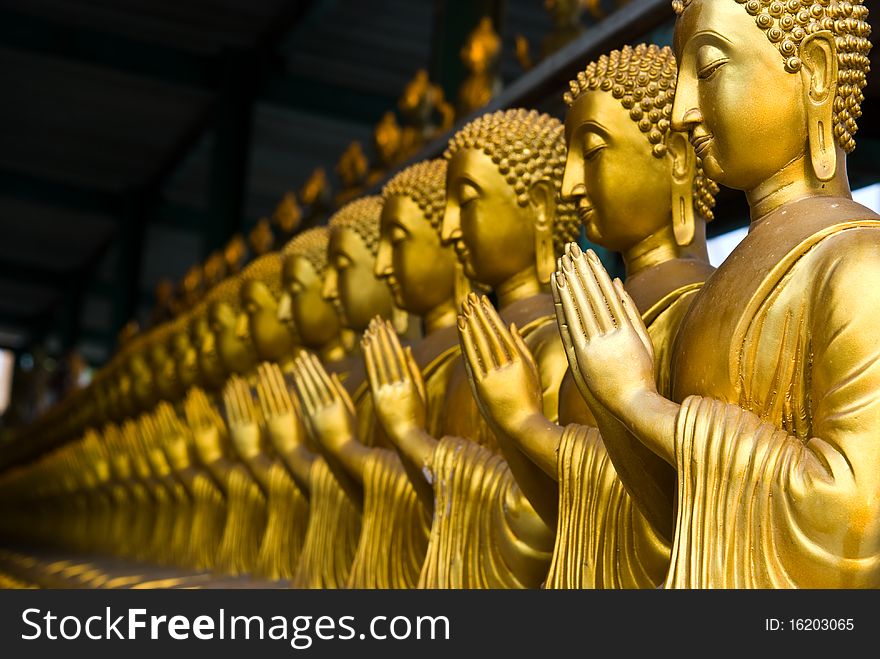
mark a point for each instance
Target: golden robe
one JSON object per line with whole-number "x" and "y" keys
{"x": 777, "y": 442}
{"x": 286, "y": 524}
{"x": 332, "y": 533}
{"x": 485, "y": 533}
{"x": 394, "y": 535}
{"x": 602, "y": 539}
{"x": 245, "y": 523}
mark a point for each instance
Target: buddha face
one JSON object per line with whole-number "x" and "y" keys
{"x": 419, "y": 270}
{"x": 185, "y": 358}
{"x": 743, "y": 112}
{"x": 493, "y": 236}
{"x": 142, "y": 383}
{"x": 350, "y": 284}
{"x": 230, "y": 329}
{"x": 210, "y": 368}
{"x": 311, "y": 319}
{"x": 165, "y": 370}
{"x": 271, "y": 338}
{"x": 621, "y": 190}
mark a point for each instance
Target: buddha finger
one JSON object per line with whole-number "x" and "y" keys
{"x": 500, "y": 330}
{"x": 492, "y": 329}
{"x": 594, "y": 294}
{"x": 612, "y": 298}
{"x": 399, "y": 354}
{"x": 633, "y": 316}
{"x": 370, "y": 364}
{"x": 282, "y": 394}
{"x": 300, "y": 379}
{"x": 478, "y": 334}
{"x": 578, "y": 310}
{"x": 387, "y": 353}
{"x": 579, "y": 329}
{"x": 472, "y": 361}
{"x": 322, "y": 386}
{"x": 414, "y": 373}
{"x": 326, "y": 380}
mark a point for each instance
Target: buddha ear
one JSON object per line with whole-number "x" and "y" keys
{"x": 818, "y": 53}
{"x": 542, "y": 198}
{"x": 684, "y": 168}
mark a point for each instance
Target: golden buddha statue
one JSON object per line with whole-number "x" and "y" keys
{"x": 388, "y": 145}
{"x": 316, "y": 196}
{"x": 481, "y": 55}
{"x": 503, "y": 219}
{"x": 235, "y": 254}
{"x": 425, "y": 111}
{"x": 774, "y": 406}
{"x": 336, "y": 495}
{"x": 420, "y": 274}
{"x": 261, "y": 239}
{"x": 213, "y": 270}
{"x": 286, "y": 505}
{"x": 183, "y": 353}
{"x": 286, "y": 217}
{"x": 352, "y": 170}
{"x": 658, "y": 226}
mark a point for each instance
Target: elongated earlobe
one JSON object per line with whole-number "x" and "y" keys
{"x": 543, "y": 200}
{"x": 818, "y": 53}
{"x": 684, "y": 164}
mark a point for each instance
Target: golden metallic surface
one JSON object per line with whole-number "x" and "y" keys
{"x": 773, "y": 407}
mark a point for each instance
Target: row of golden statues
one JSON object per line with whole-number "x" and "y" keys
{"x": 354, "y": 411}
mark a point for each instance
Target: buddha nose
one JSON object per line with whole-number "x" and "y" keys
{"x": 241, "y": 326}
{"x": 685, "y": 109}
{"x": 329, "y": 289}
{"x": 284, "y": 308}
{"x": 450, "y": 229}
{"x": 382, "y": 268}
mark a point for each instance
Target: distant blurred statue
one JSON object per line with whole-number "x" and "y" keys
{"x": 235, "y": 254}
{"x": 388, "y": 146}
{"x": 567, "y": 26}
{"x": 286, "y": 218}
{"x": 261, "y": 238}
{"x": 425, "y": 111}
{"x": 481, "y": 55}
{"x": 316, "y": 197}
{"x": 352, "y": 170}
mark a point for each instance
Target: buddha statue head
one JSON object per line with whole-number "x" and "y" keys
{"x": 229, "y": 326}
{"x": 312, "y": 320}
{"x": 503, "y": 214}
{"x": 630, "y": 176}
{"x": 769, "y": 92}
{"x": 143, "y": 383}
{"x": 419, "y": 270}
{"x": 261, "y": 238}
{"x": 212, "y": 373}
{"x": 184, "y": 355}
{"x": 162, "y": 362}
{"x": 349, "y": 282}
{"x": 258, "y": 295}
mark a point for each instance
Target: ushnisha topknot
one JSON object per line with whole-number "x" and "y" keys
{"x": 425, "y": 184}
{"x": 266, "y": 269}
{"x": 527, "y": 147}
{"x": 361, "y": 216}
{"x": 787, "y": 23}
{"x": 643, "y": 80}
{"x": 311, "y": 244}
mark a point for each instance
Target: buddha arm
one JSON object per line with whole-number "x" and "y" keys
{"x": 299, "y": 461}
{"x": 259, "y": 466}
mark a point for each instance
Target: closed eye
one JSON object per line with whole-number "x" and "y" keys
{"x": 710, "y": 69}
